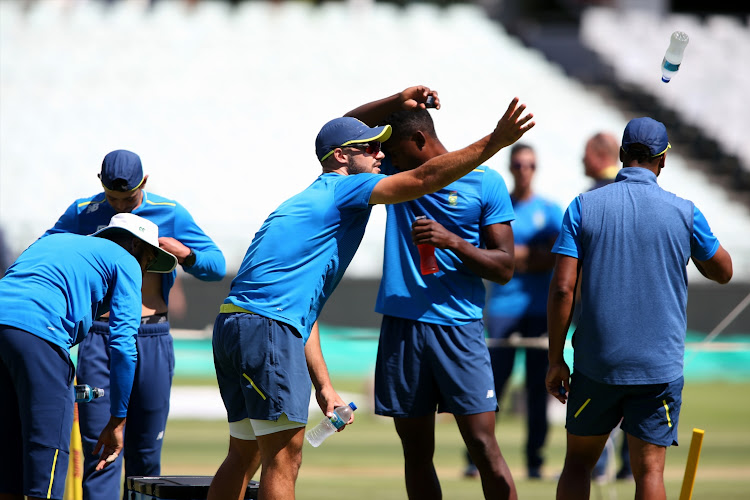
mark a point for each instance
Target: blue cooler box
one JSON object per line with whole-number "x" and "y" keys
{"x": 176, "y": 488}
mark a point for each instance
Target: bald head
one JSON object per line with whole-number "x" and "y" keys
{"x": 602, "y": 151}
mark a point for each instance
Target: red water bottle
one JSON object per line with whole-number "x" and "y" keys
{"x": 427, "y": 261}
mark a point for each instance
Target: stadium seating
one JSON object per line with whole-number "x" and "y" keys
{"x": 223, "y": 104}
{"x": 709, "y": 90}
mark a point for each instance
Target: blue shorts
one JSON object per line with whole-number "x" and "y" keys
{"x": 36, "y": 414}
{"x": 424, "y": 366}
{"x": 261, "y": 368}
{"x": 649, "y": 412}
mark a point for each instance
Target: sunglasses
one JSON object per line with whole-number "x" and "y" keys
{"x": 372, "y": 148}
{"x": 517, "y": 165}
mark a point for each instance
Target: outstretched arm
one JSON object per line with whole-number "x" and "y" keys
{"x": 440, "y": 171}
{"x": 373, "y": 113}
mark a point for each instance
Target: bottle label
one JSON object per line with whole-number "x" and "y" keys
{"x": 337, "y": 421}
{"x": 671, "y": 67}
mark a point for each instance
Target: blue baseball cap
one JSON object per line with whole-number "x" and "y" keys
{"x": 345, "y": 131}
{"x": 646, "y": 131}
{"x": 121, "y": 171}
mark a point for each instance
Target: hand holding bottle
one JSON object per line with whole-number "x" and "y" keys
{"x": 329, "y": 425}
{"x": 428, "y": 235}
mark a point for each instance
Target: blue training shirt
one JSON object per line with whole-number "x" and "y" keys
{"x": 88, "y": 215}
{"x": 634, "y": 240}
{"x": 61, "y": 283}
{"x": 301, "y": 251}
{"x": 454, "y": 295}
{"x": 537, "y": 222}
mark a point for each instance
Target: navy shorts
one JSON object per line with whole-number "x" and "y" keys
{"x": 261, "y": 368}
{"x": 424, "y": 366}
{"x": 649, "y": 412}
{"x": 36, "y": 414}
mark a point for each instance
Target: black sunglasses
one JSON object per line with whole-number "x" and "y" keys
{"x": 517, "y": 165}
{"x": 371, "y": 148}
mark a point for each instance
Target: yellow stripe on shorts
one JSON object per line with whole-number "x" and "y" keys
{"x": 581, "y": 408}
{"x": 52, "y": 475}
{"x": 254, "y": 386}
{"x": 666, "y": 407}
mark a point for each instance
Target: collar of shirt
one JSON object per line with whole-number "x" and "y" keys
{"x": 636, "y": 174}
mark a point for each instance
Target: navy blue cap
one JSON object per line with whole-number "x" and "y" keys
{"x": 646, "y": 131}
{"x": 121, "y": 171}
{"x": 345, "y": 131}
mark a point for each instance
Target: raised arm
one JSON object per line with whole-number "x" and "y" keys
{"x": 373, "y": 113}
{"x": 444, "y": 169}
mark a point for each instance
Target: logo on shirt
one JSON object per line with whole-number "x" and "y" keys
{"x": 453, "y": 198}
{"x": 490, "y": 394}
{"x": 539, "y": 219}
{"x": 93, "y": 207}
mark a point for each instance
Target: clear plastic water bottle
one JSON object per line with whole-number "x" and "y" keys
{"x": 673, "y": 58}
{"x": 85, "y": 393}
{"x": 328, "y": 426}
{"x": 427, "y": 261}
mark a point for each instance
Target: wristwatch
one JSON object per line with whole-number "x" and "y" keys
{"x": 189, "y": 261}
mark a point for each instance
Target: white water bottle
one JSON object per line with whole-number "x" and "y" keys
{"x": 673, "y": 58}
{"x": 328, "y": 426}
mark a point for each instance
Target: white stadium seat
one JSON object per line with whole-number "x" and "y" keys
{"x": 223, "y": 104}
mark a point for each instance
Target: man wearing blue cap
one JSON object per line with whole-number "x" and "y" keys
{"x": 48, "y": 300}
{"x": 632, "y": 240}
{"x": 266, "y": 343}
{"x": 124, "y": 192}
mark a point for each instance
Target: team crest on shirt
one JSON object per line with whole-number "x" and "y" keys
{"x": 453, "y": 198}
{"x": 539, "y": 219}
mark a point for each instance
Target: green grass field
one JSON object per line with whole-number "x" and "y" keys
{"x": 365, "y": 461}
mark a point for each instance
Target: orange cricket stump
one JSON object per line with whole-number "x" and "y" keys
{"x": 692, "y": 464}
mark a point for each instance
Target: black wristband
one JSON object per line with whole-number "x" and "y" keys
{"x": 189, "y": 261}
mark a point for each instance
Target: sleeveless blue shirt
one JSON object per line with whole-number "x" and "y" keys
{"x": 634, "y": 241}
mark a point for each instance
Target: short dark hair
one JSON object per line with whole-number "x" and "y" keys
{"x": 519, "y": 146}
{"x": 406, "y": 122}
{"x": 640, "y": 153}
{"x": 120, "y": 185}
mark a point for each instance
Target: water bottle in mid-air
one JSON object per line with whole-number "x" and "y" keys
{"x": 673, "y": 58}
{"x": 328, "y": 426}
{"x": 85, "y": 393}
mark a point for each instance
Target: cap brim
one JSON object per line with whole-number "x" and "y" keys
{"x": 382, "y": 134}
{"x": 165, "y": 262}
